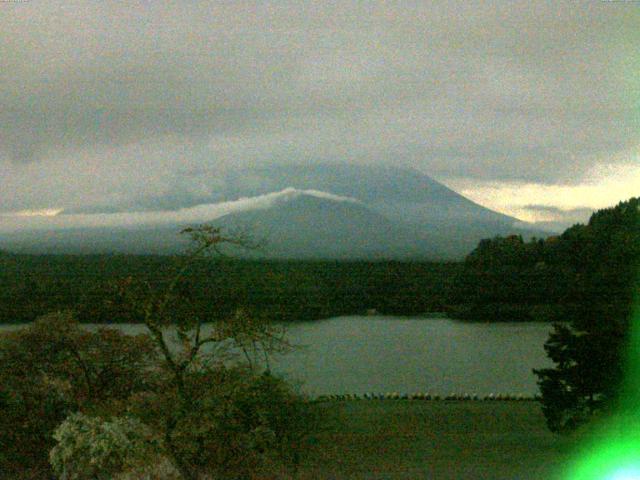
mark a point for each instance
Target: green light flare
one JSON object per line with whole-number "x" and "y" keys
{"x": 613, "y": 451}
{"x": 613, "y": 455}
{"x": 630, "y": 399}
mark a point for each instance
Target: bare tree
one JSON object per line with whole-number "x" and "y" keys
{"x": 242, "y": 333}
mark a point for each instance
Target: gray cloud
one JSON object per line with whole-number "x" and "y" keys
{"x": 559, "y": 211}
{"x": 111, "y": 104}
{"x": 558, "y": 219}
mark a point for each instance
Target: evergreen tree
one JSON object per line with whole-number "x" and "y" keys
{"x": 588, "y": 353}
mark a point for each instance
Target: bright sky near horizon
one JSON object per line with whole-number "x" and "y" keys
{"x": 605, "y": 186}
{"x": 529, "y": 108}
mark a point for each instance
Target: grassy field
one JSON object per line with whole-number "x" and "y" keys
{"x": 437, "y": 440}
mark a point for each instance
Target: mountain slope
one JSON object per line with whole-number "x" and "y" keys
{"x": 297, "y": 226}
{"x": 312, "y": 227}
{"x": 322, "y": 211}
{"x": 398, "y": 193}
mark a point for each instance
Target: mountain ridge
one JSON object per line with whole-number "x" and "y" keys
{"x": 324, "y": 211}
{"x": 376, "y": 185}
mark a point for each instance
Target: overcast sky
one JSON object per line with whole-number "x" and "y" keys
{"x": 528, "y": 107}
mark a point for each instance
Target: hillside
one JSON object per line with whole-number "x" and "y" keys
{"x": 333, "y": 211}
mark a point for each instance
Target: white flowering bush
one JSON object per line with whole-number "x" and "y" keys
{"x": 54, "y": 367}
{"x": 93, "y": 448}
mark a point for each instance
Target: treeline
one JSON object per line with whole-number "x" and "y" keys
{"x": 589, "y": 353}
{"x": 581, "y": 275}
{"x": 95, "y": 286}
{"x": 503, "y": 279}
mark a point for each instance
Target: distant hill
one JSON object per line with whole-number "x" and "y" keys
{"x": 400, "y": 193}
{"x": 300, "y": 226}
{"x": 416, "y": 215}
{"x": 323, "y": 211}
{"x": 312, "y": 227}
{"x": 161, "y": 240}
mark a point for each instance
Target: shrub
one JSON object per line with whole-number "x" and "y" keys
{"x": 53, "y": 368}
{"x": 236, "y": 423}
{"x": 92, "y": 448}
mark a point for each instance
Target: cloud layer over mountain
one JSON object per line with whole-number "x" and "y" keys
{"x": 36, "y": 220}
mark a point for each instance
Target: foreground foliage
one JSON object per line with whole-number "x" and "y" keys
{"x": 91, "y": 448}
{"x": 53, "y": 368}
{"x": 194, "y": 399}
{"x": 585, "y": 280}
{"x": 589, "y": 353}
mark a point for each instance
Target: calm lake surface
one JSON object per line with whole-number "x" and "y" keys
{"x": 407, "y": 355}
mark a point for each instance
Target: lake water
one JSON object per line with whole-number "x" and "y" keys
{"x": 409, "y": 355}
{"x": 436, "y": 355}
